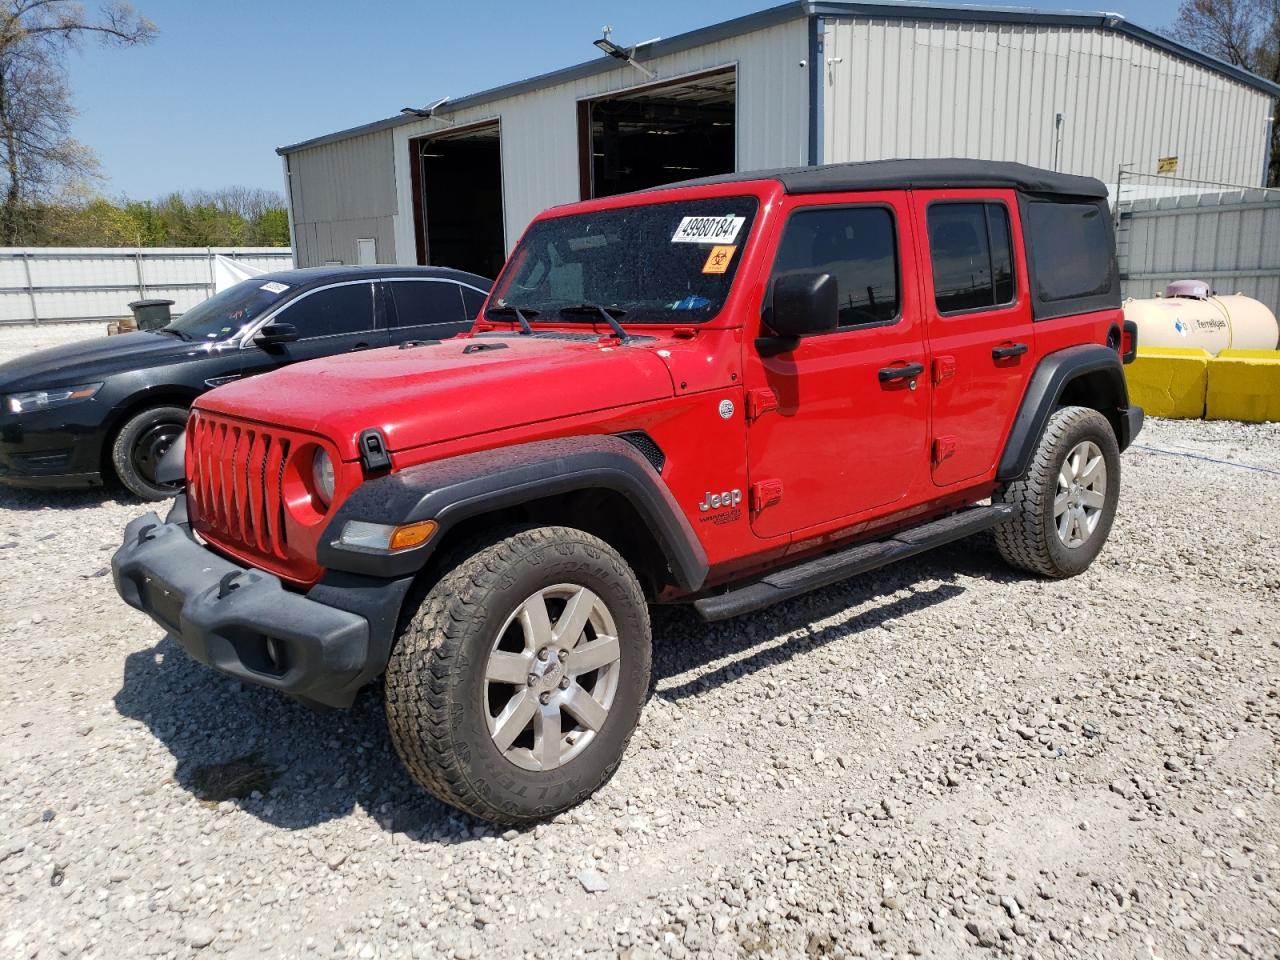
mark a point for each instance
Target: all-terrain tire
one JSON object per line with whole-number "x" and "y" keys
{"x": 437, "y": 697}
{"x": 144, "y": 438}
{"x": 1030, "y": 539}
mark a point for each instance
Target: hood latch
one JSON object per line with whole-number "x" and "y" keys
{"x": 373, "y": 451}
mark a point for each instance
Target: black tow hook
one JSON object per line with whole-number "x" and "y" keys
{"x": 227, "y": 584}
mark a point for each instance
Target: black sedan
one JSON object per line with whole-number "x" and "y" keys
{"x": 81, "y": 414}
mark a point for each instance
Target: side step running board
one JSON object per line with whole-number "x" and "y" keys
{"x": 834, "y": 567}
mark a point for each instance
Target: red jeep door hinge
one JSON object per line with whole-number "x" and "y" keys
{"x": 944, "y": 368}
{"x": 760, "y": 401}
{"x": 943, "y": 447}
{"x": 765, "y": 493}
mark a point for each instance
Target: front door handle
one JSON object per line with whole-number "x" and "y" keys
{"x": 1008, "y": 350}
{"x": 901, "y": 373}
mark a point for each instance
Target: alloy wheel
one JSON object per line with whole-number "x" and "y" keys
{"x": 551, "y": 676}
{"x": 1081, "y": 494}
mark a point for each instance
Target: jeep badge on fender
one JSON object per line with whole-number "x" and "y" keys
{"x": 541, "y": 480}
{"x": 714, "y": 501}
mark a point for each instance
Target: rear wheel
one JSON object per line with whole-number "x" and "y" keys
{"x": 514, "y": 689}
{"x": 138, "y": 447}
{"x": 1064, "y": 506}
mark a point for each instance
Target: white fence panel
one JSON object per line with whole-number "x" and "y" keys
{"x": 1229, "y": 239}
{"x": 55, "y": 284}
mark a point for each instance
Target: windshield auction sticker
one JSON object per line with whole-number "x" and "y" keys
{"x": 271, "y": 286}
{"x": 718, "y": 260}
{"x": 708, "y": 229}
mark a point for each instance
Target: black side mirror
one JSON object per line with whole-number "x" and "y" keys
{"x": 800, "y": 304}
{"x": 276, "y": 333}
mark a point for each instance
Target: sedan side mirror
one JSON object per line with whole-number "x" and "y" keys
{"x": 276, "y": 333}
{"x": 800, "y": 304}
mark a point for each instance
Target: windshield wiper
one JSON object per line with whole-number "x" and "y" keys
{"x": 610, "y": 316}
{"x": 174, "y": 333}
{"x": 521, "y": 315}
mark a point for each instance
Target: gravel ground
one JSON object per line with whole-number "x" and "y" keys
{"x": 943, "y": 759}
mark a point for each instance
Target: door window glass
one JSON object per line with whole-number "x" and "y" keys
{"x": 337, "y": 310}
{"x": 421, "y": 302}
{"x": 474, "y": 300}
{"x": 972, "y": 252}
{"x": 858, "y": 246}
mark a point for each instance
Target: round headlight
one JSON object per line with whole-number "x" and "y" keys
{"x": 322, "y": 476}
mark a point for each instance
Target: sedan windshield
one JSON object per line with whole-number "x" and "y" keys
{"x": 656, "y": 263}
{"x": 225, "y": 314}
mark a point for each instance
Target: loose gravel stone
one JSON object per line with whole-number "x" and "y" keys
{"x": 897, "y": 765}
{"x": 593, "y": 881}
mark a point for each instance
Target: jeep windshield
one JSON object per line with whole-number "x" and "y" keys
{"x": 659, "y": 262}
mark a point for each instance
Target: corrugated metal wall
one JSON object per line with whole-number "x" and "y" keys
{"x": 540, "y": 128}
{"x": 342, "y": 192}
{"x": 903, "y": 88}
{"x": 1231, "y": 240}
{"x": 41, "y": 284}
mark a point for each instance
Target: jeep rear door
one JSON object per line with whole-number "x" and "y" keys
{"x": 838, "y": 425}
{"x": 979, "y": 325}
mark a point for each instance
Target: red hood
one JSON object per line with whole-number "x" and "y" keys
{"x": 431, "y": 393}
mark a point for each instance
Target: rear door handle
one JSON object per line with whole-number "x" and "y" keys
{"x": 1008, "y": 350}
{"x": 901, "y": 373}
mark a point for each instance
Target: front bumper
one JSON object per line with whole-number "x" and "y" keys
{"x": 61, "y": 447}
{"x": 243, "y": 622}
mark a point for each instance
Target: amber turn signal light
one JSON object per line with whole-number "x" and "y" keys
{"x": 412, "y": 535}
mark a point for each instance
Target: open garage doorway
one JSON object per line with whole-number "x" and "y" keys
{"x": 458, "y": 199}
{"x": 658, "y": 134}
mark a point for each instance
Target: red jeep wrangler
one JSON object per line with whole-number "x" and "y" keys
{"x": 726, "y": 392}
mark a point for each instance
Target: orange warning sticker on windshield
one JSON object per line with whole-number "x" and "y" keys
{"x": 718, "y": 260}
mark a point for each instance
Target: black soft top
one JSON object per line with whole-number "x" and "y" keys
{"x": 922, "y": 174}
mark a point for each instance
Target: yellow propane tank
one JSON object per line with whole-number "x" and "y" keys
{"x": 1188, "y": 315}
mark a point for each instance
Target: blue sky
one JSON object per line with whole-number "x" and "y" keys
{"x": 225, "y": 83}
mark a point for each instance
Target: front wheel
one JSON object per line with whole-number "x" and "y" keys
{"x": 1064, "y": 506}
{"x": 138, "y": 447}
{"x": 513, "y": 691}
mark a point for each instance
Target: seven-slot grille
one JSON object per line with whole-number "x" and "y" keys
{"x": 235, "y": 471}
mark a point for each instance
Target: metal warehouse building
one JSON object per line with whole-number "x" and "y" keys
{"x": 796, "y": 84}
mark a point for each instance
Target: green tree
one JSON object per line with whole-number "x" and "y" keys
{"x": 202, "y": 219}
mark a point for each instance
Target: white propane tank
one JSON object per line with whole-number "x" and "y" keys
{"x": 1188, "y": 315}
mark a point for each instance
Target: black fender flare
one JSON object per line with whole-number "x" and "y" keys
{"x": 457, "y": 488}
{"x": 1055, "y": 372}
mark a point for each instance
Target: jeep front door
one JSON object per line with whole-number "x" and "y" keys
{"x": 838, "y": 424}
{"x": 980, "y": 332}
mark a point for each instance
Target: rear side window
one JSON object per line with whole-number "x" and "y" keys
{"x": 858, "y": 246}
{"x": 473, "y": 300}
{"x": 420, "y": 302}
{"x": 337, "y": 310}
{"x": 972, "y": 253}
{"x": 1072, "y": 251}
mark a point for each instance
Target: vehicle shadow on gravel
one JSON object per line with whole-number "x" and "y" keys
{"x": 293, "y": 767}
{"x": 975, "y": 557}
{"x": 284, "y": 763}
